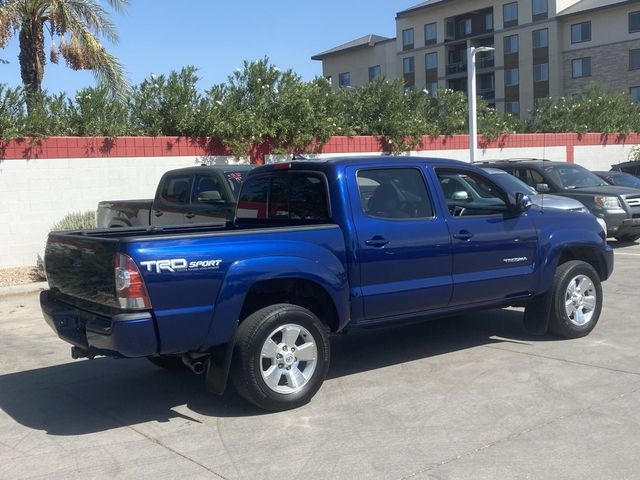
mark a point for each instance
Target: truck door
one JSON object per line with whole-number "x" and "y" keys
{"x": 211, "y": 200}
{"x": 170, "y": 204}
{"x": 493, "y": 248}
{"x": 403, "y": 246}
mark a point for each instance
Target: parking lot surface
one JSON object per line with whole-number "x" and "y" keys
{"x": 470, "y": 397}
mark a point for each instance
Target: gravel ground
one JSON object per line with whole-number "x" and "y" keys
{"x": 19, "y": 276}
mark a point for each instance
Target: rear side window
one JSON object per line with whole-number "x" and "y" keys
{"x": 394, "y": 193}
{"x": 176, "y": 189}
{"x": 287, "y": 196}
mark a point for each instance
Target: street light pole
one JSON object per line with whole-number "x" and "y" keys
{"x": 471, "y": 95}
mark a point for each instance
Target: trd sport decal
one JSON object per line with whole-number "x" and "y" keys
{"x": 180, "y": 265}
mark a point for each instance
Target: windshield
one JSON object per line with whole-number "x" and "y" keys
{"x": 512, "y": 184}
{"x": 235, "y": 180}
{"x": 573, "y": 176}
{"x": 624, "y": 179}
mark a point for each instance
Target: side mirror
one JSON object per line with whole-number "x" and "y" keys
{"x": 523, "y": 202}
{"x": 543, "y": 188}
{"x": 461, "y": 196}
{"x": 210, "y": 196}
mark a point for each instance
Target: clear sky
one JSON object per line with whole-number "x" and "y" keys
{"x": 157, "y": 36}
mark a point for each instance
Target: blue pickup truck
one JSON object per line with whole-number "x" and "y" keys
{"x": 317, "y": 246}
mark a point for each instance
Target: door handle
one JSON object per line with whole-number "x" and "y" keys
{"x": 377, "y": 242}
{"x": 190, "y": 215}
{"x": 463, "y": 235}
{"x": 158, "y": 213}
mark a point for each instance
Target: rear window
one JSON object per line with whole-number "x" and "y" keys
{"x": 286, "y": 196}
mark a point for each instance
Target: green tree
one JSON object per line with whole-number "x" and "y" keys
{"x": 78, "y": 25}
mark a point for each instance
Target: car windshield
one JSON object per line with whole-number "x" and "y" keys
{"x": 512, "y": 184}
{"x": 573, "y": 176}
{"x": 624, "y": 179}
{"x": 235, "y": 180}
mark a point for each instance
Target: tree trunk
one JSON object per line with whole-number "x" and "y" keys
{"x": 32, "y": 60}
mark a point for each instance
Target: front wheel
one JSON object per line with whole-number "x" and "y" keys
{"x": 577, "y": 300}
{"x": 281, "y": 357}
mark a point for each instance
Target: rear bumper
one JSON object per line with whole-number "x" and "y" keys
{"x": 126, "y": 334}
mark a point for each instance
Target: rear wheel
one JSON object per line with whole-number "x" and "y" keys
{"x": 577, "y": 300}
{"x": 627, "y": 238}
{"x": 281, "y": 357}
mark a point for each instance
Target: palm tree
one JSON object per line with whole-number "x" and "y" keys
{"x": 78, "y": 25}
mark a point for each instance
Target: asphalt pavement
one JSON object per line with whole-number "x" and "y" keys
{"x": 470, "y": 397}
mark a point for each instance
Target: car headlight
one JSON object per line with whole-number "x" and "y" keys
{"x": 607, "y": 202}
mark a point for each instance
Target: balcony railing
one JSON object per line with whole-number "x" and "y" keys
{"x": 487, "y": 93}
{"x": 485, "y": 62}
{"x": 456, "y": 67}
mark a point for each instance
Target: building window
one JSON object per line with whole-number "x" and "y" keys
{"x": 541, "y": 38}
{"x": 432, "y": 88}
{"x": 407, "y": 39}
{"x": 634, "y": 22}
{"x": 541, "y": 72}
{"x": 374, "y": 72}
{"x": 539, "y": 8}
{"x": 430, "y": 33}
{"x": 510, "y": 14}
{"x": 581, "y": 67}
{"x": 634, "y": 59}
{"x": 464, "y": 27}
{"x": 634, "y": 93}
{"x": 581, "y": 32}
{"x": 408, "y": 65}
{"x": 511, "y": 44}
{"x": 344, "y": 80}
{"x": 512, "y": 107}
{"x": 511, "y": 77}
{"x": 431, "y": 60}
{"x": 488, "y": 22}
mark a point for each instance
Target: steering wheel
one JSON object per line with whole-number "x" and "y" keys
{"x": 458, "y": 211}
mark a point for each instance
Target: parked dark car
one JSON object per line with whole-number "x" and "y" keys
{"x": 619, "y": 207}
{"x": 632, "y": 167}
{"x": 621, "y": 179}
{"x": 186, "y": 195}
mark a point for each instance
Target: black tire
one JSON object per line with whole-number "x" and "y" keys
{"x": 560, "y": 323}
{"x": 246, "y": 368}
{"x": 169, "y": 362}
{"x": 627, "y": 238}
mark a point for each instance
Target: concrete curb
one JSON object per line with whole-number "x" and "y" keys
{"x": 22, "y": 289}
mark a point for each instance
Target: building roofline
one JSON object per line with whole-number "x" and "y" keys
{"x": 594, "y": 9}
{"x": 373, "y": 40}
{"x": 421, "y": 6}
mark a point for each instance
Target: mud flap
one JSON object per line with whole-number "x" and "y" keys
{"x": 218, "y": 368}
{"x": 536, "y": 314}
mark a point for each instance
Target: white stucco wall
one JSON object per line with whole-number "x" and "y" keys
{"x": 35, "y": 194}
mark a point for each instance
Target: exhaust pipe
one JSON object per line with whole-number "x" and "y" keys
{"x": 196, "y": 365}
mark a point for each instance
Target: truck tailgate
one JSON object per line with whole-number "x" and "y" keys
{"x": 82, "y": 267}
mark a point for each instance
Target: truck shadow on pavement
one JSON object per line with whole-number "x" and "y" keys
{"x": 91, "y": 396}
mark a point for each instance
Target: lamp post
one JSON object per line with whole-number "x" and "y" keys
{"x": 471, "y": 94}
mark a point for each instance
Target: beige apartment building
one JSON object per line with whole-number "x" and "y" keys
{"x": 542, "y": 48}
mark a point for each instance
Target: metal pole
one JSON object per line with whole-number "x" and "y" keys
{"x": 471, "y": 96}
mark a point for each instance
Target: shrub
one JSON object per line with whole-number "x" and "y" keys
{"x": 76, "y": 221}
{"x": 96, "y": 113}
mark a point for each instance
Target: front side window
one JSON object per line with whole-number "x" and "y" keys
{"x": 541, "y": 38}
{"x": 344, "y": 79}
{"x": 634, "y": 59}
{"x": 581, "y": 32}
{"x": 541, "y": 72}
{"x": 177, "y": 189}
{"x": 511, "y": 77}
{"x": 374, "y": 72}
{"x": 407, "y": 39}
{"x": 634, "y": 22}
{"x": 511, "y": 44}
{"x": 539, "y": 7}
{"x": 208, "y": 189}
{"x": 510, "y": 14}
{"x": 394, "y": 194}
{"x": 431, "y": 60}
{"x": 470, "y": 194}
{"x": 289, "y": 196}
{"x": 581, "y": 67}
{"x": 430, "y": 33}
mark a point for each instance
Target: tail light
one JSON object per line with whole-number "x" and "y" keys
{"x": 130, "y": 290}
